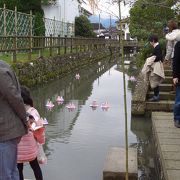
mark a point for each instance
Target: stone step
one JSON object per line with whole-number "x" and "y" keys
{"x": 167, "y": 67}
{"x": 168, "y": 80}
{"x": 165, "y": 87}
{"x": 162, "y": 95}
{"x": 162, "y": 105}
{"x": 115, "y": 164}
{"x": 168, "y": 72}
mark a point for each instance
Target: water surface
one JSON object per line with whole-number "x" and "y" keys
{"x": 77, "y": 142}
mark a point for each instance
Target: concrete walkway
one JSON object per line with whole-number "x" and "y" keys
{"x": 167, "y": 139}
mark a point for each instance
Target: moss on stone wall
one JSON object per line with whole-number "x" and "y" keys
{"x": 43, "y": 70}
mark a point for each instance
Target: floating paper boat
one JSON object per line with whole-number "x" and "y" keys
{"x": 94, "y": 105}
{"x": 105, "y": 106}
{"x": 133, "y": 79}
{"x": 71, "y": 106}
{"x": 77, "y": 76}
{"x": 49, "y": 104}
{"x": 60, "y": 99}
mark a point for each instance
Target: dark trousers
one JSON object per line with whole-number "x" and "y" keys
{"x": 36, "y": 169}
{"x": 156, "y": 91}
{"x": 177, "y": 105}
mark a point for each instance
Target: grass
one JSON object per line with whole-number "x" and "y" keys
{"x": 24, "y": 56}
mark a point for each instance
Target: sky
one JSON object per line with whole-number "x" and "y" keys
{"x": 107, "y": 9}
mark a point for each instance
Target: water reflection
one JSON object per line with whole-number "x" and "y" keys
{"x": 77, "y": 142}
{"x": 142, "y": 128}
{"x": 76, "y": 91}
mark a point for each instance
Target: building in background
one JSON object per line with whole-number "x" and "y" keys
{"x": 60, "y": 16}
{"x": 125, "y": 28}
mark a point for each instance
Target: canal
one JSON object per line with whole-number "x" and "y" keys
{"x": 77, "y": 141}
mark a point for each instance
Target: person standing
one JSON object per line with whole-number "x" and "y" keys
{"x": 172, "y": 37}
{"x": 29, "y": 145}
{"x": 176, "y": 82}
{"x": 12, "y": 122}
{"x": 157, "y": 53}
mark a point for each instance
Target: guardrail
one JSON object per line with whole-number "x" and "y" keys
{"x": 54, "y": 45}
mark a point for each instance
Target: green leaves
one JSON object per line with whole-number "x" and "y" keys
{"x": 83, "y": 27}
{"x": 147, "y": 17}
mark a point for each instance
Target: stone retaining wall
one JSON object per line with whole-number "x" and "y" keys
{"x": 138, "y": 104}
{"x": 43, "y": 70}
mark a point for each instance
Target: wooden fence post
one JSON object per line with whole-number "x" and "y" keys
{"x": 15, "y": 48}
{"x": 41, "y": 46}
{"x": 71, "y": 44}
{"x": 54, "y": 26}
{"x": 30, "y": 38}
{"x": 4, "y": 14}
{"x": 30, "y": 47}
{"x": 59, "y": 44}
{"x": 15, "y": 37}
{"x": 50, "y": 45}
{"x": 65, "y": 44}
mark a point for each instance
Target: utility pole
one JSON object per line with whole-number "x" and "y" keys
{"x": 124, "y": 83}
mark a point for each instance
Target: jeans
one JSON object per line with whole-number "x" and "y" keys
{"x": 177, "y": 104}
{"x": 8, "y": 160}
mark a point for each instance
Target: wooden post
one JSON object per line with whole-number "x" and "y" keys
{"x": 54, "y": 26}
{"x": 71, "y": 44}
{"x": 41, "y": 46}
{"x": 50, "y": 49}
{"x": 59, "y": 45}
{"x": 76, "y": 46}
{"x": 30, "y": 47}
{"x": 30, "y": 38}
{"x": 15, "y": 37}
{"x": 15, "y": 48}
{"x": 65, "y": 44}
{"x": 4, "y": 14}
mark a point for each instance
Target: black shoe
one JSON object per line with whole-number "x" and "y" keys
{"x": 177, "y": 124}
{"x": 154, "y": 99}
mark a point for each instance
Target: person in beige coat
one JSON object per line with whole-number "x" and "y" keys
{"x": 157, "y": 54}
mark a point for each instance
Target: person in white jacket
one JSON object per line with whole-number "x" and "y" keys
{"x": 172, "y": 37}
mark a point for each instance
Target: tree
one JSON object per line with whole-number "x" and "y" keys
{"x": 83, "y": 27}
{"x": 148, "y": 18}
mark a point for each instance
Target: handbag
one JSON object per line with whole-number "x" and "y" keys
{"x": 41, "y": 156}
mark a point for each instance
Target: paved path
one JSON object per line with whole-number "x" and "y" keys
{"x": 167, "y": 139}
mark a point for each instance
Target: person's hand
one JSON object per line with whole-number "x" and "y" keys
{"x": 166, "y": 61}
{"x": 30, "y": 122}
{"x": 175, "y": 81}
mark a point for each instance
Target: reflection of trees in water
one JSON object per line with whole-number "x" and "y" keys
{"x": 61, "y": 121}
{"x": 145, "y": 148}
{"x": 130, "y": 70}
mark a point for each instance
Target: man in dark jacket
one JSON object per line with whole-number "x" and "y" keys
{"x": 12, "y": 122}
{"x": 176, "y": 81}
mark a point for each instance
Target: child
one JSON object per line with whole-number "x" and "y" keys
{"x": 28, "y": 146}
